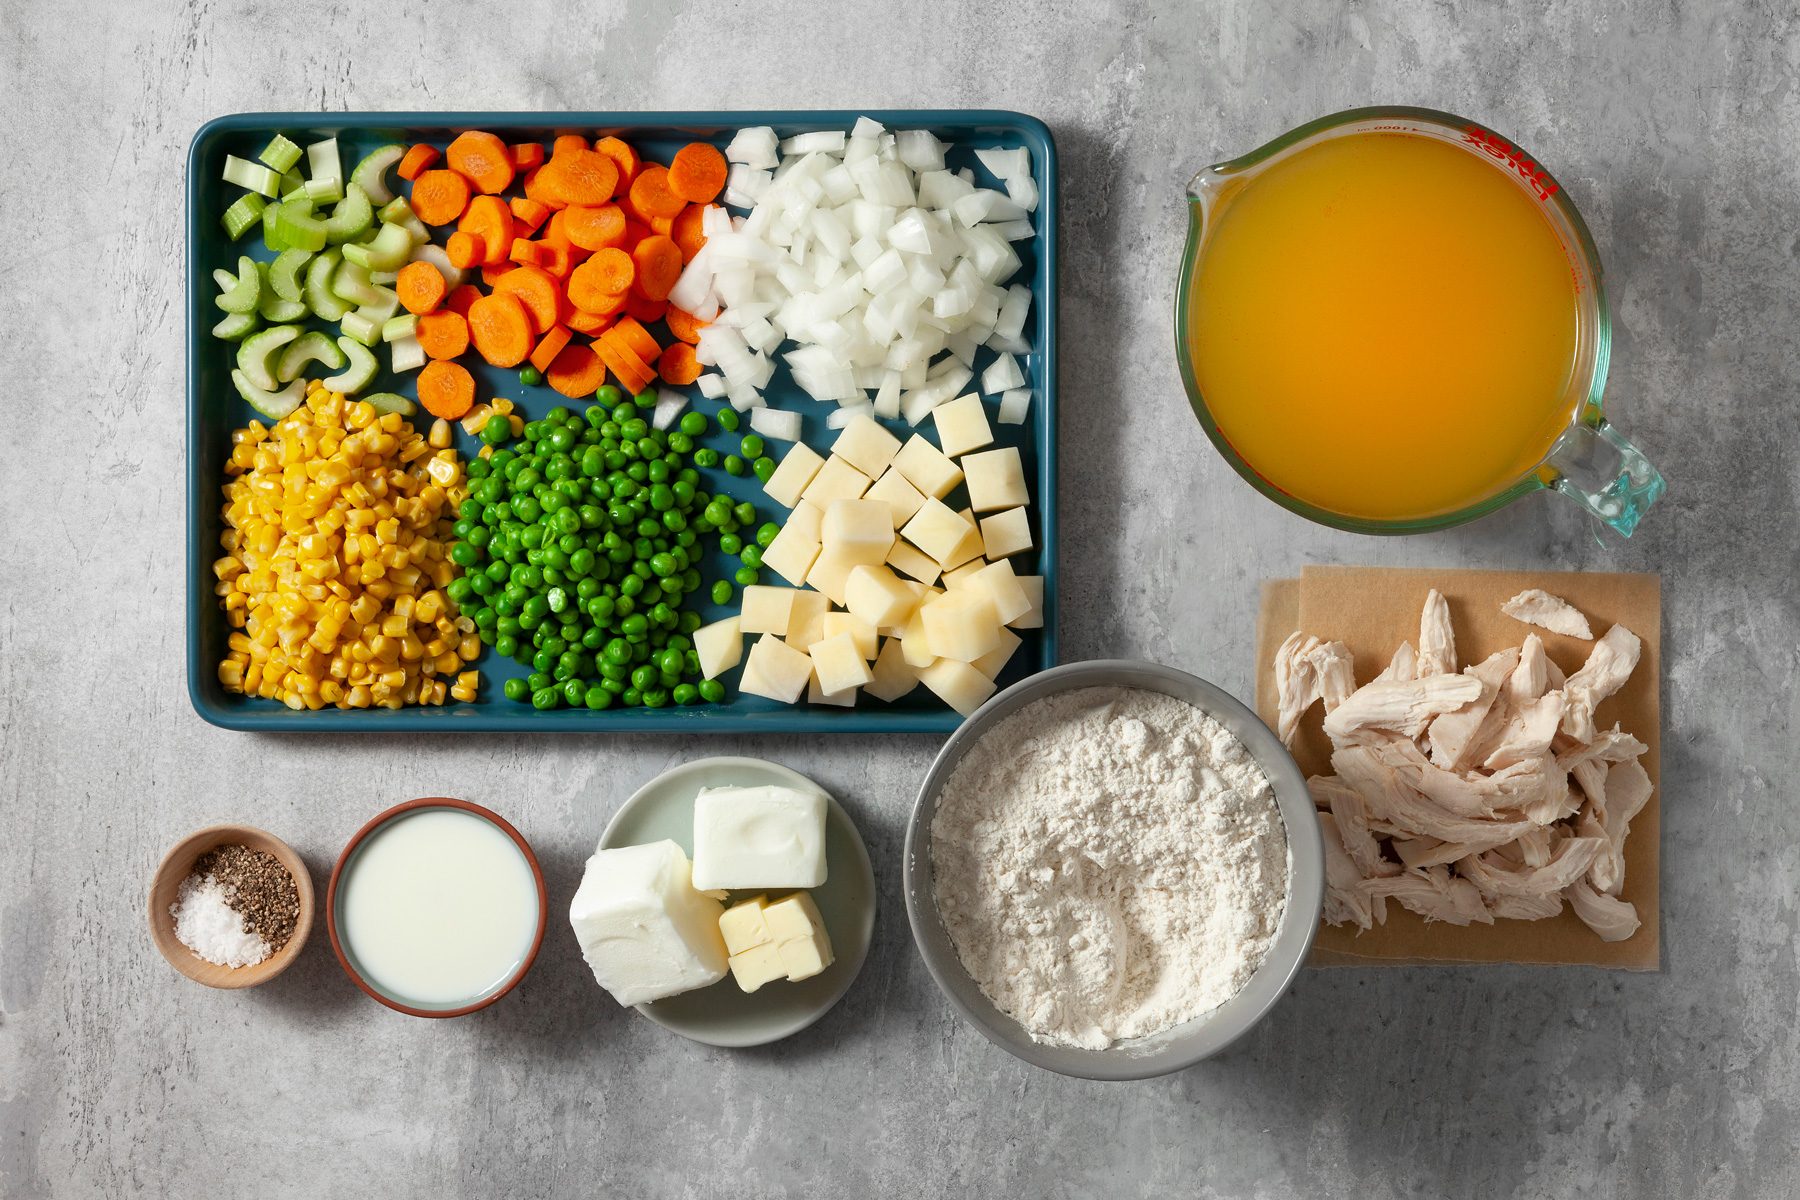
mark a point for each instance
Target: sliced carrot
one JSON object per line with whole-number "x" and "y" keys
{"x": 635, "y": 230}
{"x": 658, "y": 261}
{"x": 678, "y": 364}
{"x": 568, "y": 142}
{"x": 623, "y": 157}
{"x": 417, "y": 160}
{"x": 536, "y": 188}
{"x": 632, "y": 371}
{"x": 537, "y": 290}
{"x": 528, "y": 215}
{"x": 439, "y": 197}
{"x": 549, "y": 346}
{"x": 650, "y": 193}
{"x": 645, "y": 311}
{"x": 465, "y": 250}
{"x": 461, "y": 297}
{"x": 526, "y": 253}
{"x": 446, "y": 389}
{"x": 697, "y": 173}
{"x": 488, "y": 219}
{"x": 483, "y": 159}
{"x": 684, "y": 325}
{"x": 662, "y": 225}
{"x": 501, "y": 329}
{"x": 493, "y": 275}
{"x": 637, "y": 339}
{"x": 444, "y": 334}
{"x": 576, "y": 372}
{"x": 593, "y": 227}
{"x": 585, "y": 322}
{"x": 688, "y": 230}
{"x": 421, "y": 287}
{"x": 526, "y": 155}
{"x": 555, "y": 258}
{"x": 580, "y": 177}
{"x": 600, "y": 283}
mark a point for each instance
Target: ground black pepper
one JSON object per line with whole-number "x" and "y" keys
{"x": 258, "y": 887}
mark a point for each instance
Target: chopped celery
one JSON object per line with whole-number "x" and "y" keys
{"x": 254, "y": 176}
{"x": 322, "y": 161}
{"x": 312, "y": 346}
{"x": 384, "y": 278}
{"x": 383, "y": 309}
{"x": 318, "y": 294}
{"x": 292, "y": 182}
{"x": 370, "y": 173}
{"x": 434, "y": 254}
{"x": 254, "y": 353}
{"x": 223, "y": 279}
{"x": 402, "y": 326}
{"x": 389, "y": 402}
{"x": 280, "y": 155}
{"x": 324, "y": 191}
{"x": 352, "y": 215}
{"x": 274, "y": 233}
{"x": 355, "y": 377}
{"x": 395, "y": 210}
{"x": 300, "y": 227}
{"x": 235, "y": 326}
{"x": 270, "y": 403}
{"x": 405, "y": 354}
{"x": 360, "y": 327}
{"x": 284, "y": 272}
{"x": 243, "y": 294}
{"x": 276, "y": 311}
{"x": 351, "y": 283}
{"x": 388, "y": 252}
{"x": 244, "y": 212}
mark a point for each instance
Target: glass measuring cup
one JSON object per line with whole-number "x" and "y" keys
{"x": 1590, "y": 462}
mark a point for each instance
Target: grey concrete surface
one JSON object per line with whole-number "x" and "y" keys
{"x": 1675, "y": 125}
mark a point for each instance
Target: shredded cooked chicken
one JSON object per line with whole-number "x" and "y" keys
{"x": 1472, "y": 794}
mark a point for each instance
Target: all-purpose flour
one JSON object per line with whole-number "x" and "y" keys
{"x": 1109, "y": 863}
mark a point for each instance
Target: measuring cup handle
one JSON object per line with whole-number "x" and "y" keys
{"x": 1599, "y": 469}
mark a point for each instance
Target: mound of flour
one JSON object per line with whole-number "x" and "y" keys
{"x": 1109, "y": 863}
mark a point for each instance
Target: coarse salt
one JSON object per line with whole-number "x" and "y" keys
{"x": 206, "y": 923}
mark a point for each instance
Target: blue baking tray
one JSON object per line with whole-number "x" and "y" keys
{"x": 214, "y": 410}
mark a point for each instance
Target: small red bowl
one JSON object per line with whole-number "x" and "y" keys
{"x": 380, "y": 819}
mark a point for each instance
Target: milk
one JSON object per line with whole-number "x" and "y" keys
{"x": 438, "y": 907}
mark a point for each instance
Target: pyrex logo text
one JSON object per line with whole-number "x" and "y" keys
{"x": 1498, "y": 147}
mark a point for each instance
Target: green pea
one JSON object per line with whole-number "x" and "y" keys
{"x": 545, "y": 698}
{"x": 631, "y": 697}
{"x": 464, "y": 555}
{"x": 693, "y": 423}
{"x": 712, "y": 691}
{"x": 530, "y": 376}
{"x": 751, "y": 446}
{"x": 656, "y": 699}
{"x": 644, "y": 678}
{"x": 515, "y": 689}
{"x": 721, "y": 592}
{"x": 634, "y": 625}
{"x": 734, "y": 465}
{"x": 731, "y": 543}
{"x": 608, "y": 395}
{"x": 685, "y": 693}
{"x": 745, "y": 513}
{"x": 496, "y": 429}
{"x": 574, "y": 693}
{"x": 727, "y": 419}
{"x": 746, "y": 576}
{"x": 706, "y": 456}
{"x": 670, "y": 661}
{"x": 763, "y": 468}
{"x": 597, "y": 698}
{"x": 752, "y": 556}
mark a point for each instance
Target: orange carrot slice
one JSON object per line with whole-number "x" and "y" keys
{"x": 526, "y": 253}
{"x": 446, "y": 389}
{"x": 576, "y": 372}
{"x": 549, "y": 346}
{"x": 444, "y": 334}
{"x": 658, "y": 261}
{"x": 678, "y": 364}
{"x": 537, "y": 290}
{"x": 637, "y": 339}
{"x": 488, "y": 219}
{"x": 568, "y": 142}
{"x": 421, "y": 287}
{"x": 416, "y": 161}
{"x": 461, "y": 297}
{"x": 650, "y": 193}
{"x": 580, "y": 177}
{"x": 439, "y": 197}
{"x": 528, "y": 215}
{"x": 623, "y": 157}
{"x": 646, "y": 312}
{"x": 465, "y": 250}
{"x": 684, "y": 325}
{"x": 526, "y": 155}
{"x": 687, "y": 230}
{"x": 697, "y": 173}
{"x": 593, "y": 228}
{"x": 482, "y": 159}
{"x": 585, "y": 322}
{"x": 537, "y": 188}
{"x": 600, "y": 283}
{"x": 500, "y": 328}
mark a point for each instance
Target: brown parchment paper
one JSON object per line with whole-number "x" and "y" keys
{"x": 1372, "y": 610}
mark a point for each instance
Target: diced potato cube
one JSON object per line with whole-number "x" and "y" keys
{"x": 838, "y": 664}
{"x": 936, "y": 529}
{"x": 991, "y": 663}
{"x": 836, "y": 480}
{"x": 996, "y": 479}
{"x": 927, "y": 468}
{"x": 848, "y": 622}
{"x": 720, "y": 646}
{"x": 767, "y": 609}
{"x": 808, "y": 518}
{"x": 791, "y": 555}
{"x": 962, "y": 426}
{"x": 797, "y": 469}
{"x": 910, "y": 560}
{"x": 894, "y": 676}
{"x": 858, "y": 531}
{"x": 957, "y": 684}
{"x": 1033, "y": 586}
{"x": 806, "y": 624}
{"x": 901, "y": 496}
{"x": 817, "y": 695}
{"x": 961, "y": 576}
{"x": 743, "y": 926}
{"x": 830, "y": 572}
{"x": 915, "y": 646}
{"x": 879, "y": 596}
{"x": 970, "y": 546}
{"x": 865, "y": 445}
{"x": 1006, "y": 533}
{"x": 775, "y": 670}
{"x": 961, "y": 625}
{"x": 997, "y": 582}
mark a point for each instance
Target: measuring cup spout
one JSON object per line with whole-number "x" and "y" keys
{"x": 1598, "y": 468}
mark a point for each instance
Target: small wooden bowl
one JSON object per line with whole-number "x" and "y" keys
{"x": 178, "y": 864}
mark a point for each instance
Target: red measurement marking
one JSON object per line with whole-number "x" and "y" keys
{"x": 1495, "y": 146}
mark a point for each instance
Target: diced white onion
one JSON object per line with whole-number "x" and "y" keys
{"x": 1002, "y": 375}
{"x": 754, "y": 147}
{"x": 711, "y": 386}
{"x": 669, "y": 404}
{"x": 1013, "y": 406}
{"x": 775, "y": 423}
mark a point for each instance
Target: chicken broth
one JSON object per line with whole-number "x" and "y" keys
{"x": 1384, "y": 325}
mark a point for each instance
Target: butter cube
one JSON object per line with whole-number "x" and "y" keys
{"x": 894, "y": 676}
{"x": 767, "y": 609}
{"x": 757, "y": 965}
{"x": 865, "y": 445}
{"x": 796, "y": 470}
{"x": 830, "y": 572}
{"x": 836, "y": 480}
{"x": 962, "y": 426}
{"x": 858, "y": 531}
{"x": 806, "y": 624}
{"x": 1033, "y": 586}
{"x": 879, "y": 596}
{"x": 798, "y": 930}
{"x": 807, "y": 518}
{"x": 996, "y": 479}
{"x": 838, "y": 664}
{"x": 758, "y": 837}
{"x": 957, "y": 684}
{"x": 742, "y": 925}
{"x": 859, "y": 629}
{"x": 791, "y": 555}
{"x": 899, "y": 495}
{"x": 997, "y": 582}
{"x": 720, "y": 646}
{"x": 961, "y": 625}
{"x": 644, "y": 929}
{"x": 936, "y": 529}
{"x": 1006, "y": 533}
{"x": 993, "y": 662}
{"x": 775, "y": 670}
{"x": 910, "y": 560}
{"x": 927, "y": 468}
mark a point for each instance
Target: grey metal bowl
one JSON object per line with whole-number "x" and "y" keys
{"x": 1205, "y": 1035}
